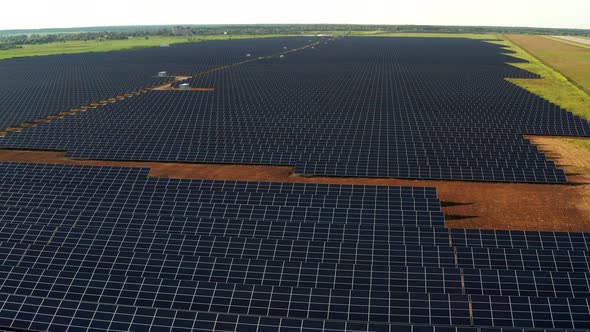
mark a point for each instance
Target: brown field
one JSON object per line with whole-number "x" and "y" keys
{"x": 466, "y": 204}
{"x": 570, "y": 60}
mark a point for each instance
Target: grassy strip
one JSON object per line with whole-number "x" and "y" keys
{"x": 428, "y": 35}
{"x": 109, "y": 45}
{"x": 553, "y": 86}
{"x": 570, "y": 60}
{"x": 443, "y": 35}
{"x": 583, "y": 143}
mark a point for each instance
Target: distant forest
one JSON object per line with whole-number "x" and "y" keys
{"x": 11, "y": 38}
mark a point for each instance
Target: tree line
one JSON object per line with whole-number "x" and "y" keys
{"x": 26, "y": 37}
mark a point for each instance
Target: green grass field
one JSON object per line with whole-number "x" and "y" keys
{"x": 553, "y": 86}
{"x": 109, "y": 45}
{"x": 411, "y": 34}
{"x": 440, "y": 35}
{"x": 584, "y": 144}
{"x": 570, "y": 59}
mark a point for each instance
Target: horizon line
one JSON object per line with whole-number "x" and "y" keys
{"x": 296, "y": 24}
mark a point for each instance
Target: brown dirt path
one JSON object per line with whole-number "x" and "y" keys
{"x": 466, "y": 204}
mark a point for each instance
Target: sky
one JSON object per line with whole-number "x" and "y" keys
{"x": 34, "y": 14}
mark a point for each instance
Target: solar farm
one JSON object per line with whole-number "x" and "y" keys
{"x": 359, "y": 234}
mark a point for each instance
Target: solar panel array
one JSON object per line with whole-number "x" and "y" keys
{"x": 364, "y": 107}
{"x": 35, "y": 87}
{"x": 110, "y": 248}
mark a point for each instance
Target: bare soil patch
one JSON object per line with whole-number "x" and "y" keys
{"x": 168, "y": 85}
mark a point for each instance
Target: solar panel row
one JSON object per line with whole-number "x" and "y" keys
{"x": 305, "y": 251}
{"x": 388, "y": 278}
{"x": 281, "y": 230}
{"x": 37, "y": 314}
{"x": 330, "y": 231}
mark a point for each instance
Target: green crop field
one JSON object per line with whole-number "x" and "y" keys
{"x": 378, "y": 33}
{"x": 553, "y": 85}
{"x": 109, "y": 45}
{"x": 440, "y": 35}
{"x": 572, "y": 60}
